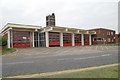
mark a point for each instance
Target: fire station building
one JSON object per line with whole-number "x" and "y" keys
{"x": 103, "y": 36}
{"x": 24, "y": 36}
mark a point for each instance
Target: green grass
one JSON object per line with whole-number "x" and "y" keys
{"x": 7, "y": 50}
{"x": 107, "y": 45}
{"x": 112, "y": 44}
{"x": 108, "y": 72}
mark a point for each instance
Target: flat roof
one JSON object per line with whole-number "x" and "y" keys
{"x": 59, "y": 27}
{"x": 14, "y": 25}
{"x": 22, "y": 26}
{"x": 101, "y": 29}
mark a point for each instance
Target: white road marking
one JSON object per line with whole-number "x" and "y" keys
{"x": 106, "y": 54}
{"x": 84, "y": 57}
{"x": 60, "y": 59}
{"x": 96, "y": 47}
{"x": 102, "y": 47}
{"x": 92, "y": 57}
{"x": 19, "y": 62}
{"x": 59, "y": 54}
{"x": 111, "y": 46}
{"x": 106, "y": 47}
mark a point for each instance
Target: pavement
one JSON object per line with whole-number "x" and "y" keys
{"x": 41, "y": 60}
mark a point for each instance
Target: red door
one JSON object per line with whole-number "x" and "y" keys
{"x": 86, "y": 39}
{"x": 77, "y": 39}
{"x": 21, "y": 39}
{"x": 67, "y": 39}
{"x": 54, "y": 39}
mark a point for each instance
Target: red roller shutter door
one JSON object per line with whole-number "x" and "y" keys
{"x": 86, "y": 39}
{"x": 77, "y": 39}
{"x": 21, "y": 39}
{"x": 54, "y": 39}
{"x": 67, "y": 39}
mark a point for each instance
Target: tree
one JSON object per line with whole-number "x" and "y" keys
{"x": 3, "y": 41}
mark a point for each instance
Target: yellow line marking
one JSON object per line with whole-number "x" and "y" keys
{"x": 62, "y": 72}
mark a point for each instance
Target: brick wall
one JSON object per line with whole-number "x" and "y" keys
{"x": 107, "y": 36}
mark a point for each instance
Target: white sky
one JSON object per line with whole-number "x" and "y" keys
{"x": 83, "y": 14}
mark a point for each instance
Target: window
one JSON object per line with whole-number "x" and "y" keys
{"x": 42, "y": 41}
{"x": 109, "y": 40}
{"x": 36, "y": 40}
{"x": 111, "y": 33}
{"x": 94, "y": 39}
{"x": 112, "y": 40}
{"x": 97, "y": 39}
{"x": 108, "y": 33}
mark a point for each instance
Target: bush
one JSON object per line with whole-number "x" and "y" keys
{"x": 3, "y": 42}
{"x": 8, "y": 50}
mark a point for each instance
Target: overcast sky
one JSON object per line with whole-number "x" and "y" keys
{"x": 83, "y": 14}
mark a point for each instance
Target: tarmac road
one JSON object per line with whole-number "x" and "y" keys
{"x": 39, "y": 60}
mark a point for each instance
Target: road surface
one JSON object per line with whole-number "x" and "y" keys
{"x": 40, "y": 60}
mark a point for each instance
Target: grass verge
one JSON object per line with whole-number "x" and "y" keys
{"x": 111, "y": 44}
{"x": 7, "y": 50}
{"x": 104, "y": 71}
{"x": 108, "y": 72}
